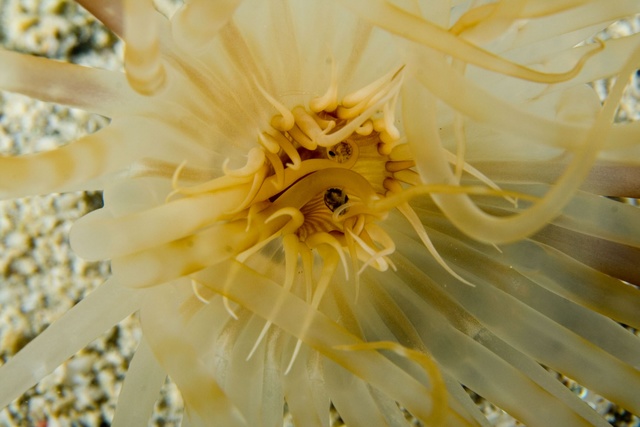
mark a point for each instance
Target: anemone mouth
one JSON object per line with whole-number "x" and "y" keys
{"x": 326, "y": 174}
{"x": 312, "y": 164}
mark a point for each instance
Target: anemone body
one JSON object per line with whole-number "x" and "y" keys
{"x": 364, "y": 204}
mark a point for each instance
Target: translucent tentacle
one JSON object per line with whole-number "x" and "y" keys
{"x": 397, "y": 21}
{"x": 473, "y": 171}
{"x": 566, "y": 29}
{"x": 560, "y": 273}
{"x": 109, "y": 12}
{"x": 205, "y": 401}
{"x": 484, "y": 23}
{"x": 144, "y": 69}
{"x": 99, "y": 236}
{"x": 466, "y": 215}
{"x": 424, "y": 361}
{"x": 87, "y": 162}
{"x": 354, "y": 402}
{"x": 560, "y": 343}
{"x": 98, "y": 91}
{"x": 490, "y": 375}
{"x": 483, "y": 107}
{"x": 329, "y": 264}
{"x": 389, "y": 317}
{"x": 198, "y": 21}
{"x": 613, "y": 179}
{"x": 103, "y": 308}
{"x": 140, "y": 390}
{"x": 290, "y": 244}
{"x": 255, "y": 292}
{"x": 182, "y": 257}
{"x": 615, "y": 259}
{"x": 305, "y": 393}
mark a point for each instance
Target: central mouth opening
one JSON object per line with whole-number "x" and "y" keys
{"x": 316, "y": 169}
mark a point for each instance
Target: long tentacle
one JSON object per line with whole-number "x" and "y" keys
{"x": 140, "y": 389}
{"x": 255, "y": 293}
{"x": 103, "y": 308}
{"x": 109, "y": 12}
{"x": 98, "y": 91}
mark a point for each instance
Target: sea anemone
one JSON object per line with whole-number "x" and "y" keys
{"x": 380, "y": 206}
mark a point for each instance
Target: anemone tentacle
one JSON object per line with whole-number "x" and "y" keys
{"x": 97, "y": 91}
{"x": 93, "y": 315}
